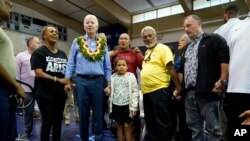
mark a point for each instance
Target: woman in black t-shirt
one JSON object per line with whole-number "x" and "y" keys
{"x": 49, "y": 64}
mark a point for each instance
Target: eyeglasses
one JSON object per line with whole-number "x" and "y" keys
{"x": 8, "y": 3}
{"x": 147, "y": 36}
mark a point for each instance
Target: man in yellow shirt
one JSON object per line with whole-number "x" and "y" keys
{"x": 157, "y": 69}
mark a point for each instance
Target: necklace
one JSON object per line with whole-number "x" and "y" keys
{"x": 89, "y": 55}
{"x": 149, "y": 56}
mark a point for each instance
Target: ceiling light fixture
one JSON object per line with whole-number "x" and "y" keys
{"x": 50, "y": 0}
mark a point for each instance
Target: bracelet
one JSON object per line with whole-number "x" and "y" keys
{"x": 54, "y": 78}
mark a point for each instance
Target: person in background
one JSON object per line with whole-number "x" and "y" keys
{"x": 183, "y": 132}
{"x": 237, "y": 99}
{"x": 49, "y": 64}
{"x": 123, "y": 99}
{"x": 89, "y": 59}
{"x": 8, "y": 85}
{"x": 133, "y": 57}
{"x": 25, "y": 74}
{"x": 232, "y": 12}
{"x": 205, "y": 69}
{"x": 71, "y": 101}
{"x": 182, "y": 43}
{"x": 134, "y": 60}
{"x": 157, "y": 68}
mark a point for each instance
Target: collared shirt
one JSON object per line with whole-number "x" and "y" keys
{"x": 239, "y": 68}
{"x": 24, "y": 72}
{"x": 225, "y": 29}
{"x": 191, "y": 62}
{"x": 83, "y": 66}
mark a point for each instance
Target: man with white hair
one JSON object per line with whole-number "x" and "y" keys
{"x": 89, "y": 59}
{"x": 157, "y": 69}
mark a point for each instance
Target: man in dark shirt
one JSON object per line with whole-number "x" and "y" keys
{"x": 205, "y": 69}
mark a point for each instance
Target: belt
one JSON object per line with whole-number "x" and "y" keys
{"x": 89, "y": 76}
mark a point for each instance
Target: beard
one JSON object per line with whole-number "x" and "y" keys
{"x": 151, "y": 45}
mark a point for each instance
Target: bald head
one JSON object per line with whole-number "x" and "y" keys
{"x": 124, "y": 41}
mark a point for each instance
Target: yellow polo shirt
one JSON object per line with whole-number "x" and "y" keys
{"x": 154, "y": 73}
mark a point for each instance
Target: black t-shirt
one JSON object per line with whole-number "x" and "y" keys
{"x": 53, "y": 64}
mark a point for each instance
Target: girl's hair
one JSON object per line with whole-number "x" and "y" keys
{"x": 45, "y": 29}
{"x": 119, "y": 59}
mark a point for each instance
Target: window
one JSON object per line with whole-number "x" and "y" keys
{"x": 176, "y": 9}
{"x": 164, "y": 12}
{"x": 172, "y": 10}
{"x": 200, "y": 4}
{"x": 138, "y": 18}
{"x": 150, "y": 15}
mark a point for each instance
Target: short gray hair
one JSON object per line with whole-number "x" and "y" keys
{"x": 150, "y": 29}
{"x": 195, "y": 17}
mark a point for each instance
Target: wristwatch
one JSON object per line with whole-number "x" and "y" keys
{"x": 224, "y": 82}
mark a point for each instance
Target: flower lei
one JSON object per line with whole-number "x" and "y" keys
{"x": 97, "y": 54}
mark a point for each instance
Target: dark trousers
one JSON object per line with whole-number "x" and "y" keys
{"x": 183, "y": 132}
{"x": 160, "y": 117}
{"x": 52, "y": 113}
{"x": 89, "y": 92}
{"x": 8, "y": 130}
{"x": 235, "y": 104}
{"x": 28, "y": 113}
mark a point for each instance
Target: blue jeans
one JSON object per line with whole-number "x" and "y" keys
{"x": 89, "y": 92}
{"x": 28, "y": 113}
{"x": 8, "y": 129}
{"x": 200, "y": 108}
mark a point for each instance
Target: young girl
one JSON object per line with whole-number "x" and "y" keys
{"x": 124, "y": 99}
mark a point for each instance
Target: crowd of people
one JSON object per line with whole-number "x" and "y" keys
{"x": 204, "y": 87}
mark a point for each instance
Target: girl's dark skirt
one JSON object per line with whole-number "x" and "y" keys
{"x": 121, "y": 113}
